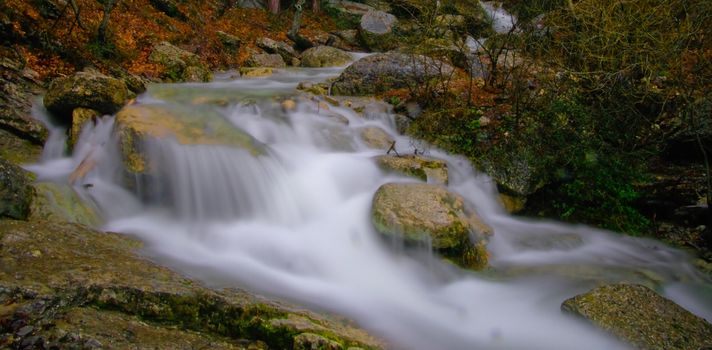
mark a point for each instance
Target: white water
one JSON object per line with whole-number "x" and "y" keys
{"x": 295, "y": 224}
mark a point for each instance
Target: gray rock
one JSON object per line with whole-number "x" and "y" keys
{"x": 381, "y": 72}
{"x": 18, "y": 86}
{"x": 426, "y": 169}
{"x": 229, "y": 41}
{"x": 87, "y": 89}
{"x": 277, "y": 47}
{"x": 431, "y": 215}
{"x": 376, "y": 137}
{"x": 15, "y": 191}
{"x": 324, "y": 56}
{"x": 640, "y": 316}
{"x": 376, "y": 30}
{"x": 265, "y": 60}
{"x": 310, "y": 341}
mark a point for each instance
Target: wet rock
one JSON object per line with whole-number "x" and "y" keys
{"x": 426, "y": 169}
{"x": 265, "y": 60}
{"x": 512, "y": 203}
{"x": 381, "y": 72}
{"x": 179, "y": 65}
{"x": 376, "y": 30}
{"x": 80, "y": 117}
{"x": 18, "y": 85}
{"x": 92, "y": 285}
{"x": 640, "y": 316}
{"x": 87, "y": 89}
{"x": 15, "y": 191}
{"x": 430, "y": 214}
{"x": 255, "y": 72}
{"x": 309, "y": 341}
{"x": 18, "y": 150}
{"x": 277, "y": 47}
{"x": 188, "y": 125}
{"x": 62, "y": 203}
{"x": 324, "y": 56}
{"x": 376, "y": 137}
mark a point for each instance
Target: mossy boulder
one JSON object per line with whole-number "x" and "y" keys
{"x": 265, "y": 60}
{"x": 277, "y": 47}
{"x": 18, "y": 150}
{"x": 426, "y": 169}
{"x": 68, "y": 275}
{"x": 18, "y": 85}
{"x": 432, "y": 215}
{"x": 62, "y": 203}
{"x": 87, "y": 89}
{"x": 376, "y": 30}
{"x": 186, "y": 124}
{"x": 386, "y": 71}
{"x": 324, "y": 56}
{"x": 15, "y": 191}
{"x": 179, "y": 65}
{"x": 641, "y": 317}
{"x": 80, "y": 117}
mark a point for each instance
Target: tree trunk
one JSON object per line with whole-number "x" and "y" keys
{"x": 109, "y": 6}
{"x": 315, "y": 6}
{"x": 301, "y": 42}
{"x": 273, "y": 6}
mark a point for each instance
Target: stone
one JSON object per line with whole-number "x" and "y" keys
{"x": 431, "y": 215}
{"x": 512, "y": 203}
{"x": 194, "y": 125}
{"x": 87, "y": 89}
{"x": 277, "y": 47}
{"x": 426, "y": 169}
{"x": 170, "y": 8}
{"x": 94, "y": 285}
{"x": 265, "y": 60}
{"x": 376, "y": 30}
{"x": 309, "y": 341}
{"x": 324, "y": 56}
{"x": 176, "y": 64}
{"x": 18, "y": 150}
{"x": 229, "y": 41}
{"x": 80, "y": 116}
{"x": 15, "y": 191}
{"x": 352, "y": 8}
{"x": 640, "y": 316}
{"x": 376, "y": 137}
{"x": 386, "y": 71}
{"x": 255, "y": 72}
{"x": 18, "y": 86}
{"x": 62, "y": 203}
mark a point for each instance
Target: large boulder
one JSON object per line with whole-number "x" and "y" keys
{"x": 431, "y": 215}
{"x": 265, "y": 60}
{"x": 179, "y": 65}
{"x": 423, "y": 168}
{"x": 382, "y": 72}
{"x": 195, "y": 125}
{"x": 87, "y": 89}
{"x": 15, "y": 191}
{"x": 278, "y": 47}
{"x": 324, "y": 56}
{"x": 97, "y": 291}
{"x": 640, "y": 316}
{"x": 18, "y": 85}
{"x": 376, "y": 30}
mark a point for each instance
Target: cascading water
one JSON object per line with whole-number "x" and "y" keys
{"x": 294, "y": 222}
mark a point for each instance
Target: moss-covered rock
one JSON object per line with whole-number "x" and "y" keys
{"x": 87, "y": 89}
{"x": 18, "y": 85}
{"x": 427, "y": 169}
{"x": 430, "y": 214}
{"x": 15, "y": 191}
{"x": 80, "y": 116}
{"x": 376, "y": 30}
{"x": 642, "y": 317}
{"x": 277, "y": 47}
{"x": 324, "y": 56}
{"x": 58, "y": 202}
{"x": 179, "y": 65}
{"x": 51, "y": 272}
{"x": 265, "y": 60}
{"x": 255, "y": 72}
{"x": 18, "y": 150}
{"x": 381, "y": 72}
{"x": 186, "y": 124}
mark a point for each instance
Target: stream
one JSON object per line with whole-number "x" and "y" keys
{"x": 294, "y": 223}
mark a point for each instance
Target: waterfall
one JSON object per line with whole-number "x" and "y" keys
{"x": 294, "y": 222}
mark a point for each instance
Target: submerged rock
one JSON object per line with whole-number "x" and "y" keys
{"x": 87, "y": 89}
{"x": 427, "y": 169}
{"x": 381, "y": 72}
{"x": 187, "y": 125}
{"x": 179, "y": 65}
{"x": 430, "y": 214}
{"x": 324, "y": 56}
{"x": 642, "y": 317}
{"x": 15, "y": 191}
{"x": 94, "y": 289}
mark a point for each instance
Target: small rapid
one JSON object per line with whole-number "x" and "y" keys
{"x": 294, "y": 222}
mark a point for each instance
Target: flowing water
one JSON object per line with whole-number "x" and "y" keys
{"x": 294, "y": 223}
